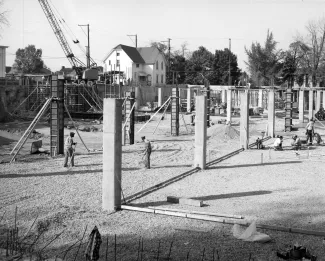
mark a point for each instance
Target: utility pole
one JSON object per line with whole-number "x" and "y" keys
{"x": 168, "y": 71}
{"x": 136, "y": 39}
{"x": 229, "y": 79}
{"x": 88, "y": 47}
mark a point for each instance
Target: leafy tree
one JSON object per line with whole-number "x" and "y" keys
{"x": 29, "y": 60}
{"x": 221, "y": 67}
{"x": 200, "y": 62}
{"x": 264, "y": 62}
{"x": 178, "y": 65}
{"x": 162, "y": 47}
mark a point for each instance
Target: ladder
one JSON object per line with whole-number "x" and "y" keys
{"x": 29, "y": 130}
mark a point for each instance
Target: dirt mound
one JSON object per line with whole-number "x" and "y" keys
{"x": 222, "y": 131}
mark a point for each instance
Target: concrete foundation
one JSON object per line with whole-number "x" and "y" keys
{"x": 323, "y": 103}
{"x": 137, "y": 98}
{"x": 200, "y": 132}
{"x": 244, "y": 119}
{"x": 311, "y": 105}
{"x": 301, "y": 105}
{"x": 229, "y": 105}
{"x": 271, "y": 113}
{"x": 112, "y": 154}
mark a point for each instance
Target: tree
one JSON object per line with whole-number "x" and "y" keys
{"x": 29, "y": 60}
{"x": 264, "y": 63}
{"x": 3, "y": 16}
{"x": 313, "y": 54}
{"x": 221, "y": 67}
{"x": 178, "y": 67}
{"x": 161, "y": 47}
{"x": 200, "y": 61}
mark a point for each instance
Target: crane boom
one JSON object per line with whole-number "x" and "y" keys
{"x": 75, "y": 62}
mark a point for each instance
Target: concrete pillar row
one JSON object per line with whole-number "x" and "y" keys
{"x": 244, "y": 119}
{"x": 318, "y": 100}
{"x": 223, "y": 96}
{"x": 138, "y": 98}
{"x": 301, "y": 105}
{"x": 229, "y": 105}
{"x": 188, "y": 100}
{"x": 260, "y": 98}
{"x": 311, "y": 104}
{"x": 160, "y": 97}
{"x": 112, "y": 154}
{"x": 200, "y": 131}
{"x": 271, "y": 113}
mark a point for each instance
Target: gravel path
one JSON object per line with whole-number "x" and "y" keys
{"x": 285, "y": 190}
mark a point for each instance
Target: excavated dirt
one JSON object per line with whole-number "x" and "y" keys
{"x": 271, "y": 187}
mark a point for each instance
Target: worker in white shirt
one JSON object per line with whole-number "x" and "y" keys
{"x": 310, "y": 131}
{"x": 69, "y": 150}
{"x": 278, "y": 143}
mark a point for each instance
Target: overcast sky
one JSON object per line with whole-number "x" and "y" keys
{"x": 208, "y": 23}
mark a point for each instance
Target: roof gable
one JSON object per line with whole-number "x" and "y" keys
{"x": 133, "y": 53}
{"x": 149, "y": 54}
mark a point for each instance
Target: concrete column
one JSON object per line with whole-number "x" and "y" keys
{"x": 223, "y": 96}
{"x": 244, "y": 119}
{"x": 112, "y": 154}
{"x": 260, "y": 98}
{"x": 323, "y": 100}
{"x": 271, "y": 113}
{"x": 188, "y": 99}
{"x": 200, "y": 131}
{"x": 301, "y": 105}
{"x": 229, "y": 105}
{"x": 138, "y": 98}
{"x": 160, "y": 97}
{"x": 311, "y": 104}
{"x": 318, "y": 100}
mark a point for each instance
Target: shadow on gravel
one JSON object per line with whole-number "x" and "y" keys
{"x": 254, "y": 165}
{"x": 171, "y": 166}
{"x": 63, "y": 173}
{"x": 234, "y": 195}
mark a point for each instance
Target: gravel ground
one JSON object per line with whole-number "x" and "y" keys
{"x": 286, "y": 190}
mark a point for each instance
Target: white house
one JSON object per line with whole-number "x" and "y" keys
{"x": 144, "y": 65}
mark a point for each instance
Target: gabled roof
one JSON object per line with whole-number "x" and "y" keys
{"x": 8, "y": 69}
{"x": 149, "y": 54}
{"x": 132, "y": 52}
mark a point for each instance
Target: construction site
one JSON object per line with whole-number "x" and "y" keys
{"x": 108, "y": 166}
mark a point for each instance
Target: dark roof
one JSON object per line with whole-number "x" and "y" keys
{"x": 149, "y": 54}
{"x": 66, "y": 70}
{"x": 8, "y": 69}
{"x": 132, "y": 52}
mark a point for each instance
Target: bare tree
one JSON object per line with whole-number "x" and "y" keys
{"x": 314, "y": 53}
{"x": 183, "y": 46}
{"x": 3, "y": 15}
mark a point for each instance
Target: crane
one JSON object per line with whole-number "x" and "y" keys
{"x": 77, "y": 64}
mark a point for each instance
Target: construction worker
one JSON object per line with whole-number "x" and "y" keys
{"x": 310, "y": 131}
{"x": 296, "y": 142}
{"x": 69, "y": 150}
{"x": 146, "y": 152}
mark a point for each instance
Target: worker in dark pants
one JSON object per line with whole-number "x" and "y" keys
{"x": 146, "y": 152}
{"x": 69, "y": 151}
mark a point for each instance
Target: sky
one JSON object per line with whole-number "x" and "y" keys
{"x": 208, "y": 23}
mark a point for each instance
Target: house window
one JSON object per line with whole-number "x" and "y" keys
{"x": 109, "y": 62}
{"x": 157, "y": 76}
{"x": 162, "y": 78}
{"x": 157, "y": 65}
{"x": 117, "y": 63}
{"x": 137, "y": 65}
{"x": 162, "y": 66}
{"x": 117, "y": 54}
